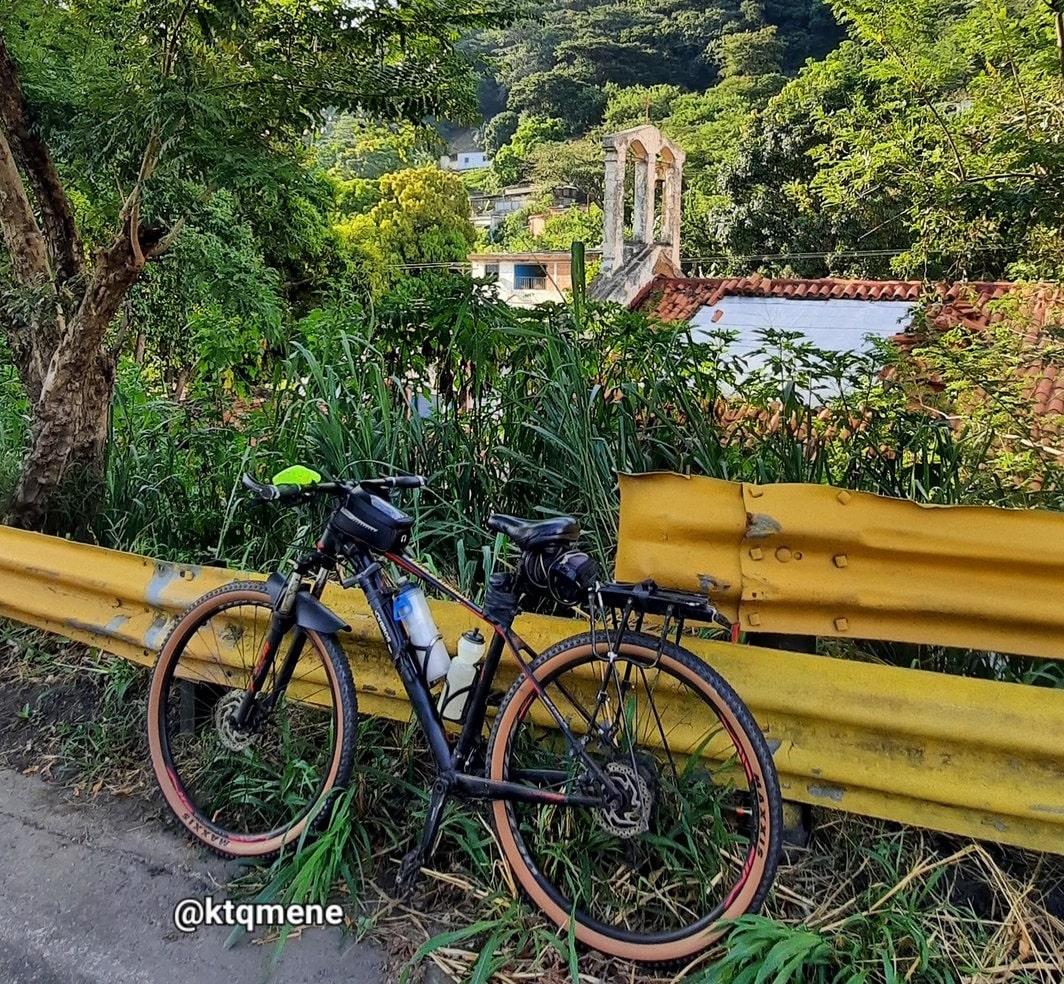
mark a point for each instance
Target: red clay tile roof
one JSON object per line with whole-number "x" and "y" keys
{"x": 949, "y": 305}
{"x": 677, "y": 299}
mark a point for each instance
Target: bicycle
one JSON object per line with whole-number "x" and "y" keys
{"x": 631, "y": 791}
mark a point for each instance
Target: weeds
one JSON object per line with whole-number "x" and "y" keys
{"x": 77, "y": 714}
{"x": 868, "y": 901}
{"x": 535, "y": 412}
{"x": 874, "y": 903}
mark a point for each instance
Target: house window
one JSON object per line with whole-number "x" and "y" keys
{"x": 530, "y": 276}
{"x": 491, "y": 270}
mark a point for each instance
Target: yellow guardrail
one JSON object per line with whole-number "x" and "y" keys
{"x": 967, "y": 756}
{"x": 814, "y": 560}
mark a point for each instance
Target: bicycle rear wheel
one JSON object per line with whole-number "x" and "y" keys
{"x": 695, "y": 838}
{"x": 247, "y": 792}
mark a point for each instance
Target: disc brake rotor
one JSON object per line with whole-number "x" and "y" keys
{"x": 633, "y": 817}
{"x": 234, "y": 738}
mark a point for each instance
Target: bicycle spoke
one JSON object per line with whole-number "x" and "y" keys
{"x": 261, "y": 776}
{"x": 663, "y": 855}
{"x": 657, "y": 721}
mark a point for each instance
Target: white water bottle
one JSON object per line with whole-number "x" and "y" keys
{"x": 411, "y": 610}
{"x": 461, "y": 676}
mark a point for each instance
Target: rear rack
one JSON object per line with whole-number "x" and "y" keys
{"x": 623, "y": 606}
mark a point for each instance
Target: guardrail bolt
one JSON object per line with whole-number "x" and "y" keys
{"x": 753, "y": 618}
{"x": 755, "y": 553}
{"x": 755, "y": 492}
{"x": 840, "y": 560}
{"x": 844, "y": 497}
{"x": 783, "y": 555}
{"x": 842, "y": 624}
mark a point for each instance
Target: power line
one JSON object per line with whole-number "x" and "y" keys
{"x": 844, "y": 254}
{"x": 831, "y": 254}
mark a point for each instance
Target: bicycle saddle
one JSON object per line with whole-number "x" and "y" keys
{"x": 530, "y": 534}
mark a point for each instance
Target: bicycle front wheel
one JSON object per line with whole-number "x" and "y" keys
{"x": 248, "y": 791}
{"x": 694, "y": 836}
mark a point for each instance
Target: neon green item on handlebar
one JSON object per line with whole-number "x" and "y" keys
{"x": 296, "y": 475}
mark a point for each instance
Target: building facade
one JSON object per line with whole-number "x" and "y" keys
{"x": 527, "y": 279}
{"x": 465, "y": 160}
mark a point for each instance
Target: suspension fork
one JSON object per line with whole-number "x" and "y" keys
{"x": 295, "y": 648}
{"x": 280, "y": 623}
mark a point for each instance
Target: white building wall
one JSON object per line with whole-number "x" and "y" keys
{"x": 467, "y": 160}
{"x": 507, "y": 290}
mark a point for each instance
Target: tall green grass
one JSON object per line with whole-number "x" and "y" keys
{"x": 534, "y": 413}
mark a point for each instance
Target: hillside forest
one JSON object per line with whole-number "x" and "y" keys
{"x": 198, "y": 192}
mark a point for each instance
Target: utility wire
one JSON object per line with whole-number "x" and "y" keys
{"x": 830, "y": 254}
{"x": 709, "y": 257}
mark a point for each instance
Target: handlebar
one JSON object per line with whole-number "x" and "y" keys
{"x": 291, "y": 495}
{"x": 392, "y": 482}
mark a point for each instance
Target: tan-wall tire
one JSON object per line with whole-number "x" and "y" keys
{"x": 742, "y": 728}
{"x": 340, "y": 763}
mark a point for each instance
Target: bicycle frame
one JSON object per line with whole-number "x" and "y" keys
{"x": 451, "y": 761}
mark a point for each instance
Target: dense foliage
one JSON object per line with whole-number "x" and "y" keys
{"x": 926, "y": 144}
{"x": 559, "y": 63}
{"x": 932, "y": 135}
{"x": 119, "y": 122}
{"x": 514, "y": 410}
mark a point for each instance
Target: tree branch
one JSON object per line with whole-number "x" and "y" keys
{"x": 172, "y": 40}
{"x": 1058, "y": 20}
{"x": 913, "y": 81}
{"x": 1006, "y": 176}
{"x": 25, "y": 241}
{"x": 35, "y": 160}
{"x": 130, "y": 216}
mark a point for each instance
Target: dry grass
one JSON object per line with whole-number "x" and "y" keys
{"x": 896, "y": 903}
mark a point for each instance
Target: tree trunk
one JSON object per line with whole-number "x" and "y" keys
{"x": 63, "y": 470}
{"x": 32, "y": 325}
{"x": 61, "y": 483}
{"x": 64, "y": 308}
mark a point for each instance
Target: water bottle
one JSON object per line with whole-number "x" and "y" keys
{"x": 411, "y": 610}
{"x": 461, "y": 676}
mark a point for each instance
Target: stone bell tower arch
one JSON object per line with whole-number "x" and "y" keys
{"x": 654, "y": 246}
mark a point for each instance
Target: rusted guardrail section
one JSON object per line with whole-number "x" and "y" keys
{"x": 967, "y": 756}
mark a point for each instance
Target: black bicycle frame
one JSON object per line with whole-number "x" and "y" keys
{"x": 451, "y": 760}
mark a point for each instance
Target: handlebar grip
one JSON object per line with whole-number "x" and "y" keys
{"x": 287, "y": 494}
{"x": 265, "y": 492}
{"x": 392, "y": 482}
